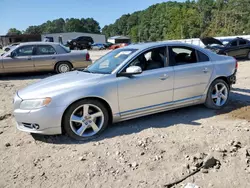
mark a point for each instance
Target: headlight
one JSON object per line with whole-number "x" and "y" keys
{"x": 34, "y": 103}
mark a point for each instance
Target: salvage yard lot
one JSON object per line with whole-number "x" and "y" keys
{"x": 145, "y": 152}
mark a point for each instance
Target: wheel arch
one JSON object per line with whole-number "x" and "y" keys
{"x": 61, "y": 61}
{"x": 222, "y": 78}
{"x": 104, "y": 102}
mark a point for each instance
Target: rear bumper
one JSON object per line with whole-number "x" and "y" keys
{"x": 232, "y": 79}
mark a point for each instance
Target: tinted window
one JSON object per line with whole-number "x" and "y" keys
{"x": 234, "y": 43}
{"x": 182, "y": 55}
{"x": 24, "y": 51}
{"x": 202, "y": 57}
{"x": 45, "y": 50}
{"x": 152, "y": 59}
{"x": 242, "y": 42}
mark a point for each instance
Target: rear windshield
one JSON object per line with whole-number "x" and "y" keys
{"x": 67, "y": 50}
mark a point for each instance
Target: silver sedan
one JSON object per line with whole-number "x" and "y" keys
{"x": 42, "y": 56}
{"x": 130, "y": 82}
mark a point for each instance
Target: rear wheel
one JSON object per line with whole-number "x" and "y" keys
{"x": 85, "y": 119}
{"x": 63, "y": 67}
{"x": 218, "y": 95}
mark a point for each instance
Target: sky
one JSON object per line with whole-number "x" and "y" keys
{"x": 22, "y": 13}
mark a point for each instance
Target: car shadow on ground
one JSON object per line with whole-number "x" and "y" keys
{"x": 25, "y": 76}
{"x": 186, "y": 116}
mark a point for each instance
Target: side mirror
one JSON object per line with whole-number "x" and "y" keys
{"x": 13, "y": 54}
{"x": 133, "y": 70}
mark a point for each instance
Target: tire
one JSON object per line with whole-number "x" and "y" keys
{"x": 248, "y": 55}
{"x": 83, "y": 129}
{"x": 63, "y": 67}
{"x": 217, "y": 100}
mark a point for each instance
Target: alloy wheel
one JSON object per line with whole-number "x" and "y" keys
{"x": 86, "y": 120}
{"x": 220, "y": 94}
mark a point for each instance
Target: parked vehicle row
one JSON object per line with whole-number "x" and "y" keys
{"x": 42, "y": 56}
{"x": 127, "y": 83}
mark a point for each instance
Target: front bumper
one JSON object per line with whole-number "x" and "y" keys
{"x": 45, "y": 120}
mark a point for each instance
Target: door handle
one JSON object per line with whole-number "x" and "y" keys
{"x": 53, "y": 57}
{"x": 205, "y": 70}
{"x": 164, "y": 77}
{"x": 29, "y": 58}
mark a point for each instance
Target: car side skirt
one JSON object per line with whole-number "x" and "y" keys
{"x": 131, "y": 114}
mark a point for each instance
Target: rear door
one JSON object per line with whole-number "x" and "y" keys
{"x": 192, "y": 72}
{"x": 233, "y": 48}
{"x": 45, "y": 57}
{"x": 22, "y": 61}
{"x": 243, "y": 48}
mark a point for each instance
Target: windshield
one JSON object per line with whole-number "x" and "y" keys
{"x": 11, "y": 50}
{"x": 225, "y": 41}
{"x": 108, "y": 63}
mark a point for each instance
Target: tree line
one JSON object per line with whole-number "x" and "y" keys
{"x": 179, "y": 20}
{"x": 60, "y": 25}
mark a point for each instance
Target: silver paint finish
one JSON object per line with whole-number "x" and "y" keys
{"x": 150, "y": 92}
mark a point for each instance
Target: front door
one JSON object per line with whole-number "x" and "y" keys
{"x": 22, "y": 60}
{"x": 150, "y": 89}
{"x": 192, "y": 72}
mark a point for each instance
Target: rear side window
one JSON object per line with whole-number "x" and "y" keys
{"x": 182, "y": 55}
{"x": 45, "y": 50}
{"x": 202, "y": 57}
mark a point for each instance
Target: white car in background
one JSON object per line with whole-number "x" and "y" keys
{"x": 9, "y": 47}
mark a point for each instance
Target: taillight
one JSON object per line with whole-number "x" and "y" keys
{"x": 236, "y": 64}
{"x": 87, "y": 57}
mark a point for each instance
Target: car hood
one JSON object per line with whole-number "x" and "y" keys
{"x": 210, "y": 40}
{"x": 57, "y": 84}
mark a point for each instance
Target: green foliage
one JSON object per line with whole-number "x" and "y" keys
{"x": 190, "y": 19}
{"x": 60, "y": 25}
{"x": 14, "y": 31}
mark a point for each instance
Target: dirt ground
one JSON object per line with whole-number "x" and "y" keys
{"x": 147, "y": 152}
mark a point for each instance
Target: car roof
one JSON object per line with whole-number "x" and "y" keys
{"x": 141, "y": 46}
{"x": 38, "y": 43}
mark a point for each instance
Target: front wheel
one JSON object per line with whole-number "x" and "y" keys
{"x": 218, "y": 95}
{"x": 85, "y": 119}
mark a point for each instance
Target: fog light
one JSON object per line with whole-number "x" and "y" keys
{"x": 35, "y": 126}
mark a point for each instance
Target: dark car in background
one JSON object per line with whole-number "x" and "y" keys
{"x": 235, "y": 47}
{"x": 80, "y": 43}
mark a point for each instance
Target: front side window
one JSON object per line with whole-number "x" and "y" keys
{"x": 45, "y": 50}
{"x": 152, "y": 59}
{"x": 234, "y": 43}
{"x": 109, "y": 62}
{"x": 24, "y": 50}
{"x": 182, "y": 55}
